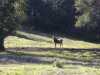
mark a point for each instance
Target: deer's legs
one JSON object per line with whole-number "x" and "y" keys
{"x": 61, "y": 45}
{"x": 55, "y": 45}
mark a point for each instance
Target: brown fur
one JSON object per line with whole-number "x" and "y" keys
{"x": 58, "y": 41}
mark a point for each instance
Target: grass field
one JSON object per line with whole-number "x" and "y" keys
{"x": 41, "y": 69}
{"x": 42, "y": 46}
{"x": 34, "y": 40}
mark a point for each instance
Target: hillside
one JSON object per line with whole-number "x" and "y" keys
{"x": 34, "y": 54}
{"x": 40, "y": 48}
{"x": 41, "y": 40}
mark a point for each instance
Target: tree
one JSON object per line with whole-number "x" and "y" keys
{"x": 8, "y": 20}
{"x": 88, "y": 18}
{"x": 51, "y": 15}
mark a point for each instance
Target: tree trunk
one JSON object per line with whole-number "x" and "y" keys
{"x": 2, "y": 48}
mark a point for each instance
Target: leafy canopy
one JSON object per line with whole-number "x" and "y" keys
{"x": 9, "y": 16}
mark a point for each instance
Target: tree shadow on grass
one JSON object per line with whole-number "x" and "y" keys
{"x": 17, "y": 55}
{"x": 72, "y": 36}
{"x": 18, "y": 58}
{"x": 48, "y": 48}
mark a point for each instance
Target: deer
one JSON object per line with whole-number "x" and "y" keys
{"x": 58, "y": 40}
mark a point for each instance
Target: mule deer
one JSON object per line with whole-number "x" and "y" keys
{"x": 58, "y": 40}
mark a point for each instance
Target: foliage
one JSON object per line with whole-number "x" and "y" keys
{"x": 9, "y": 12}
{"x": 83, "y": 20}
{"x": 58, "y": 64}
{"x": 20, "y": 10}
{"x": 8, "y": 19}
{"x": 89, "y": 14}
{"x": 84, "y": 11}
{"x": 50, "y": 15}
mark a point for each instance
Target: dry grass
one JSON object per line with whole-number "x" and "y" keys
{"x": 45, "y": 42}
{"x": 47, "y": 69}
{"x": 40, "y": 69}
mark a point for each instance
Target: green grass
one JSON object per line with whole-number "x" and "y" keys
{"x": 34, "y": 40}
{"x": 44, "y": 42}
{"x": 41, "y": 69}
{"x": 48, "y": 50}
{"x": 68, "y": 55}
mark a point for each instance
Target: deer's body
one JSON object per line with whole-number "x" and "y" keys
{"x": 58, "y": 41}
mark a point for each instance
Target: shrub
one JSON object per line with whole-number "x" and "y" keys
{"x": 58, "y": 64}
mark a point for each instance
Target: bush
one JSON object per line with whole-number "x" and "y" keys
{"x": 58, "y": 64}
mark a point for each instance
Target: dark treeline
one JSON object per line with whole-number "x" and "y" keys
{"x": 75, "y": 17}
{"x": 78, "y": 18}
{"x": 51, "y": 15}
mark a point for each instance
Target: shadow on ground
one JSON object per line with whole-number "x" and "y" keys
{"x": 50, "y": 49}
{"x": 74, "y": 36}
{"x": 13, "y": 56}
